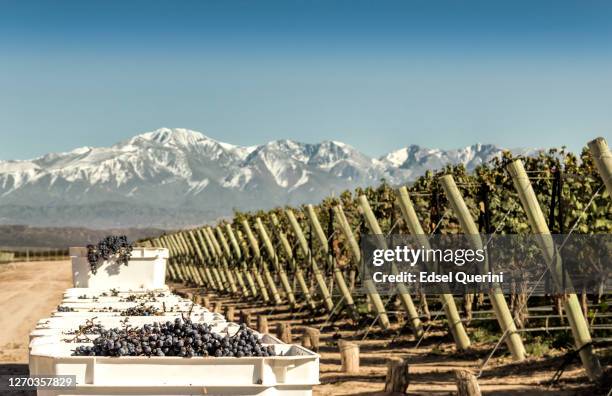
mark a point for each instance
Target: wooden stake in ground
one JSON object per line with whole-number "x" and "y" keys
{"x": 603, "y": 161}
{"x": 245, "y": 317}
{"x": 298, "y": 273}
{"x": 242, "y": 259}
{"x": 251, "y": 268}
{"x": 337, "y": 273}
{"x": 283, "y": 332}
{"x": 349, "y": 356}
{"x": 373, "y": 298}
{"x": 496, "y": 297}
{"x": 262, "y": 324}
{"x": 457, "y": 330}
{"x": 297, "y": 230}
{"x": 310, "y": 338}
{"x": 397, "y": 379}
{"x": 402, "y": 291}
{"x": 580, "y": 329}
{"x": 467, "y": 385}
{"x": 257, "y": 255}
{"x": 263, "y": 233}
{"x": 229, "y": 314}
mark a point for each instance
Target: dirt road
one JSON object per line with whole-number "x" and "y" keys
{"x": 28, "y": 292}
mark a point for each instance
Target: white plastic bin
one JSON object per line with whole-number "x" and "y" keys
{"x": 293, "y": 365}
{"x": 121, "y": 292}
{"x": 170, "y": 304}
{"x": 145, "y": 270}
{"x": 229, "y": 390}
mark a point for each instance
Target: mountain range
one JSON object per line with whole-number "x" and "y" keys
{"x": 177, "y": 177}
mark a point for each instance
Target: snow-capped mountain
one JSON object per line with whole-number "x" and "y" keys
{"x": 177, "y": 177}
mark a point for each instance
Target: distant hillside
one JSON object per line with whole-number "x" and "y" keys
{"x": 18, "y": 236}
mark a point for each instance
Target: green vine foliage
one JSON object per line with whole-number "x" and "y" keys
{"x": 500, "y": 204}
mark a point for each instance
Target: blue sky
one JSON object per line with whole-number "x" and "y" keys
{"x": 378, "y": 75}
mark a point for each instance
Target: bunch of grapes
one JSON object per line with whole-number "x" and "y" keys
{"x": 63, "y": 308}
{"x": 141, "y": 310}
{"x": 112, "y": 247}
{"x": 178, "y": 338}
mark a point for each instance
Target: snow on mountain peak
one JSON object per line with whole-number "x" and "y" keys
{"x": 173, "y": 136}
{"x": 171, "y": 173}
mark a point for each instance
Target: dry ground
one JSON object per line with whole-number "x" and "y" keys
{"x": 30, "y": 291}
{"x": 432, "y": 365}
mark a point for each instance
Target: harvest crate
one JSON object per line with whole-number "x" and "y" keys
{"x": 146, "y": 269}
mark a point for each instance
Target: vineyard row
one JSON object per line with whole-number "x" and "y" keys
{"x": 287, "y": 256}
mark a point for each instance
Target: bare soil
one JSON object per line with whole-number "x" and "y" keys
{"x": 432, "y": 364}
{"x": 29, "y": 291}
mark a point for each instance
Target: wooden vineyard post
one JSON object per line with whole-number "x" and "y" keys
{"x": 260, "y": 283}
{"x": 407, "y": 303}
{"x": 214, "y": 248}
{"x": 467, "y": 385}
{"x": 578, "y": 324}
{"x": 603, "y": 161}
{"x": 223, "y": 259}
{"x": 314, "y": 221}
{"x": 310, "y": 338}
{"x": 190, "y": 256}
{"x": 299, "y": 274}
{"x": 462, "y": 341}
{"x": 230, "y": 259}
{"x": 203, "y": 256}
{"x": 283, "y": 332}
{"x": 277, "y": 265}
{"x": 182, "y": 258}
{"x": 210, "y": 260}
{"x": 215, "y": 260}
{"x": 397, "y": 379}
{"x": 349, "y": 356}
{"x": 297, "y": 230}
{"x": 193, "y": 258}
{"x": 257, "y": 254}
{"x": 496, "y": 297}
{"x": 176, "y": 262}
{"x": 262, "y": 324}
{"x": 245, "y": 317}
{"x": 241, "y": 259}
{"x": 371, "y": 291}
{"x": 247, "y": 268}
{"x": 200, "y": 257}
{"x": 229, "y": 314}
